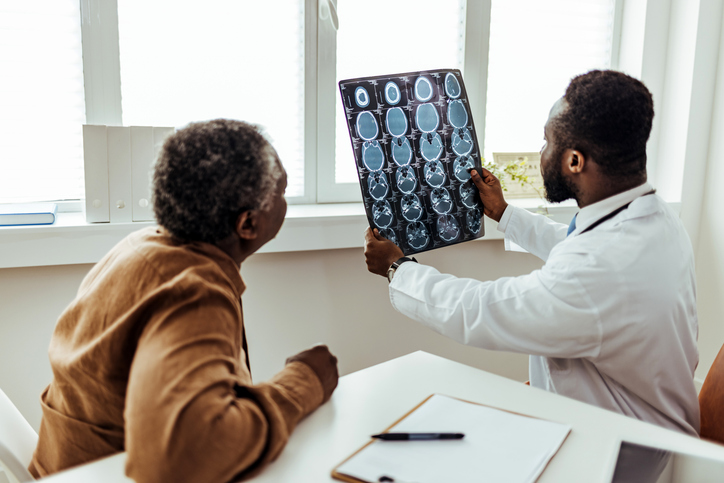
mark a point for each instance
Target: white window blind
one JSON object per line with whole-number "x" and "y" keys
{"x": 192, "y": 61}
{"x": 378, "y": 37}
{"x": 42, "y": 107}
{"x": 535, "y": 49}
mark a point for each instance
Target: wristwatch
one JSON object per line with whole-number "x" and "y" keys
{"x": 393, "y": 268}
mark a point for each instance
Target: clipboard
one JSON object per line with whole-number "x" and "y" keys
{"x": 551, "y": 436}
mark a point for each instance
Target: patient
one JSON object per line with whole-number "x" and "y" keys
{"x": 151, "y": 357}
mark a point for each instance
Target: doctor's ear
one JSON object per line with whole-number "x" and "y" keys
{"x": 574, "y": 160}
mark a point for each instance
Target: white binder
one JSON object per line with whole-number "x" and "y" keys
{"x": 95, "y": 155}
{"x": 118, "y": 169}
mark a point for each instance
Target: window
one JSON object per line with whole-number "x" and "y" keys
{"x": 276, "y": 64}
{"x": 535, "y": 49}
{"x": 239, "y": 60}
{"x": 42, "y": 105}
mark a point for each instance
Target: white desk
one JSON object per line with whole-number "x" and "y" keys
{"x": 370, "y": 400}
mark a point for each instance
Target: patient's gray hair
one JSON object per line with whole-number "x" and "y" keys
{"x": 208, "y": 173}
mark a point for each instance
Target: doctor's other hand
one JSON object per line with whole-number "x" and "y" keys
{"x": 380, "y": 253}
{"x": 491, "y": 193}
{"x": 324, "y": 365}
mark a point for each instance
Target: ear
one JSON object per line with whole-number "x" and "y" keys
{"x": 574, "y": 161}
{"x": 247, "y": 225}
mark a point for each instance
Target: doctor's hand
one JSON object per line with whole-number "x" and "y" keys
{"x": 491, "y": 193}
{"x": 380, "y": 253}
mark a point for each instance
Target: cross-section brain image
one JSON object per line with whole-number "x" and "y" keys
{"x": 401, "y": 151}
{"x": 378, "y": 185}
{"x": 474, "y": 220}
{"x": 434, "y": 174}
{"x": 392, "y": 93}
{"x": 411, "y": 207}
{"x": 431, "y": 146}
{"x": 461, "y": 168}
{"x": 427, "y": 118}
{"x": 423, "y": 89}
{"x": 462, "y": 142}
{"x": 469, "y": 195}
{"x": 406, "y": 180}
{"x": 396, "y": 122}
{"x": 452, "y": 86}
{"x": 441, "y": 201}
{"x": 417, "y": 235}
{"x": 382, "y": 214}
{"x": 367, "y": 127}
{"x": 414, "y": 143}
{"x": 457, "y": 114}
{"x": 448, "y": 228}
{"x": 372, "y": 156}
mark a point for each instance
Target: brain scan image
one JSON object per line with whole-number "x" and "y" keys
{"x": 361, "y": 97}
{"x": 382, "y": 214}
{"x": 367, "y": 127}
{"x": 396, "y": 122}
{"x": 434, "y": 174}
{"x": 377, "y": 185}
{"x": 461, "y": 168}
{"x": 441, "y": 201}
{"x": 473, "y": 220}
{"x": 457, "y": 115}
{"x": 427, "y": 118}
{"x": 401, "y": 151}
{"x": 392, "y": 93}
{"x": 411, "y": 208}
{"x": 406, "y": 180}
{"x": 414, "y": 142}
{"x": 423, "y": 89}
{"x": 469, "y": 195}
{"x": 431, "y": 146}
{"x": 448, "y": 228}
{"x": 462, "y": 142}
{"x": 372, "y": 156}
{"x": 390, "y": 235}
{"x": 417, "y": 235}
{"x": 452, "y": 86}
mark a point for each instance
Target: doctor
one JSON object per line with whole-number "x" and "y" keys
{"x": 610, "y": 319}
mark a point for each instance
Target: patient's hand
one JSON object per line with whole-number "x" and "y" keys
{"x": 323, "y": 363}
{"x": 380, "y": 253}
{"x": 491, "y": 193}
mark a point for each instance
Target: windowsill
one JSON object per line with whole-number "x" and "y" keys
{"x": 70, "y": 240}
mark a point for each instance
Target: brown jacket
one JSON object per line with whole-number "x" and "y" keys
{"x": 150, "y": 358}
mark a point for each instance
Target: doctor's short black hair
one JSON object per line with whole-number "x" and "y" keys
{"x": 608, "y": 117}
{"x": 208, "y": 173}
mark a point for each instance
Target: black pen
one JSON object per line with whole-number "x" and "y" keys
{"x": 417, "y": 436}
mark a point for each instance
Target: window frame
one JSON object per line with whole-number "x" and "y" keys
{"x": 101, "y": 71}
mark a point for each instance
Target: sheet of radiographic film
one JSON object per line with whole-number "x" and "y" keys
{"x": 414, "y": 140}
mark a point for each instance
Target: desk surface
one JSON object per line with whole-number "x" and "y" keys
{"x": 368, "y": 401}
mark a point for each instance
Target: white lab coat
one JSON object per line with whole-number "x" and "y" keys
{"x": 610, "y": 319}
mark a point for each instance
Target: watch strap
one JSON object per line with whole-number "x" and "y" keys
{"x": 396, "y": 264}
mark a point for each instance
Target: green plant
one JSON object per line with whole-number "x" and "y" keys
{"x": 515, "y": 172}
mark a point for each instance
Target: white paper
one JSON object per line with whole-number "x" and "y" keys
{"x": 498, "y": 446}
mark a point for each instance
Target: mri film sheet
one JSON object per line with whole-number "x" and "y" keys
{"x": 414, "y": 142}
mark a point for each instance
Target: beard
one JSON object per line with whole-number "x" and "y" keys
{"x": 558, "y": 188}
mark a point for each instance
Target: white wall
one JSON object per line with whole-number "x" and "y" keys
{"x": 293, "y": 301}
{"x": 710, "y": 253}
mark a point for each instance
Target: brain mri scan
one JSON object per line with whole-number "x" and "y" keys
{"x": 414, "y": 144}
